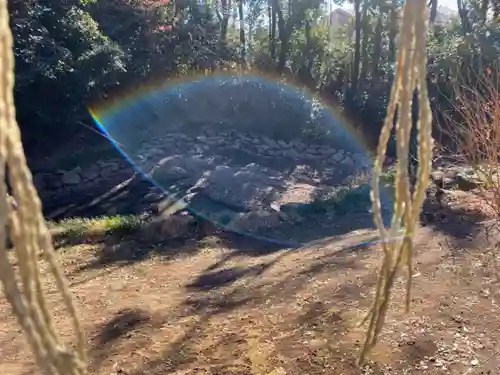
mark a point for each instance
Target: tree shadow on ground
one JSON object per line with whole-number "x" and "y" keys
{"x": 123, "y": 250}
{"x": 121, "y": 326}
{"x": 463, "y": 225}
{"x": 224, "y": 277}
{"x": 294, "y": 316}
{"x": 244, "y": 297}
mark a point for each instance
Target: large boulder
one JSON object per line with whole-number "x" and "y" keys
{"x": 244, "y": 189}
{"x": 181, "y": 170}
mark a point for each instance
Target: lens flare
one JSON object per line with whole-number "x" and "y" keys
{"x": 252, "y": 154}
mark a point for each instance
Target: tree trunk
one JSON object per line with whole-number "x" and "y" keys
{"x": 464, "y": 17}
{"x": 433, "y": 13}
{"x": 284, "y": 36}
{"x": 357, "y": 45}
{"x": 309, "y": 49}
{"x": 242, "y": 35}
{"x": 366, "y": 28}
{"x": 226, "y": 12}
{"x": 484, "y": 9}
{"x": 272, "y": 31}
{"x": 377, "y": 51}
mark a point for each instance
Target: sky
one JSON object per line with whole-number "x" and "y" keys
{"x": 452, "y": 4}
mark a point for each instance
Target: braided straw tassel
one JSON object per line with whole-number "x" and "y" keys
{"x": 411, "y": 74}
{"x": 22, "y": 285}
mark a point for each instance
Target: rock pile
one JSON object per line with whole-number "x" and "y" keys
{"x": 464, "y": 178}
{"x": 240, "y": 177}
{"x": 253, "y": 146}
{"x": 185, "y": 155}
{"x": 114, "y": 169}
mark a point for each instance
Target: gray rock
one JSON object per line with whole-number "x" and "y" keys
{"x": 467, "y": 182}
{"x": 315, "y": 150}
{"x": 244, "y": 138}
{"x": 71, "y": 178}
{"x": 215, "y": 141}
{"x": 109, "y": 165}
{"x": 179, "y": 136}
{"x": 309, "y": 156}
{"x": 109, "y": 171}
{"x": 92, "y": 173}
{"x": 209, "y": 132}
{"x": 292, "y": 153}
{"x": 282, "y": 143}
{"x": 338, "y": 156}
{"x": 244, "y": 189}
{"x": 153, "y": 197}
{"x": 255, "y": 220}
{"x": 348, "y": 161}
{"x": 78, "y": 170}
{"x": 263, "y": 149}
{"x": 271, "y": 143}
{"x": 180, "y": 167}
{"x": 326, "y": 150}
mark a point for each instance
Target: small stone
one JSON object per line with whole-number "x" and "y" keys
{"x": 339, "y": 156}
{"x": 91, "y": 174}
{"x": 474, "y": 362}
{"x": 291, "y": 153}
{"x": 347, "y": 161}
{"x": 110, "y": 169}
{"x": 269, "y": 142}
{"x": 310, "y": 156}
{"x": 201, "y": 138}
{"x": 108, "y": 165}
{"x": 71, "y": 178}
{"x": 326, "y": 151}
{"x": 153, "y": 197}
{"x": 78, "y": 170}
{"x": 263, "y": 149}
{"x": 282, "y": 143}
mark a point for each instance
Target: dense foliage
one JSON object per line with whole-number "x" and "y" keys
{"x": 70, "y": 52}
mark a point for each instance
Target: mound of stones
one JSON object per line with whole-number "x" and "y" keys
{"x": 184, "y": 159}
{"x": 465, "y": 178}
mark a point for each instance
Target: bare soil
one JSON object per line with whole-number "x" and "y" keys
{"x": 227, "y": 306}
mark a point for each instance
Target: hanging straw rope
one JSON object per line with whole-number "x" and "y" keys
{"x": 411, "y": 74}
{"x": 29, "y": 234}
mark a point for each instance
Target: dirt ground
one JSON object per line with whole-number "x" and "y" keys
{"x": 223, "y": 306}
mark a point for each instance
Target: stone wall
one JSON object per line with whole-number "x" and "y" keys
{"x": 257, "y": 149}
{"x": 66, "y": 181}
{"x": 147, "y": 155}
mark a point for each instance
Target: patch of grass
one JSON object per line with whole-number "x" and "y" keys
{"x": 354, "y": 197}
{"x": 346, "y": 199}
{"x": 83, "y": 228}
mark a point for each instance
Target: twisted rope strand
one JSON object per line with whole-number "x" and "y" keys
{"x": 29, "y": 234}
{"x": 411, "y": 71}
